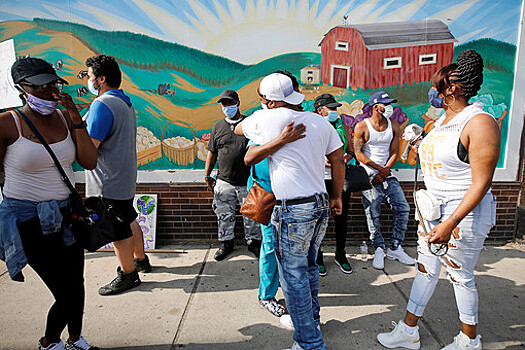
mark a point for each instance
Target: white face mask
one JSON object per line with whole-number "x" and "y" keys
{"x": 91, "y": 88}
{"x": 389, "y": 110}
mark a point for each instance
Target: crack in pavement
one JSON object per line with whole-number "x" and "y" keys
{"x": 174, "y": 344}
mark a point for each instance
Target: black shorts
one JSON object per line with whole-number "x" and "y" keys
{"x": 126, "y": 212}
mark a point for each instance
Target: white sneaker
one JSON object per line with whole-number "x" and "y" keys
{"x": 295, "y": 346}
{"x": 53, "y": 346}
{"x": 80, "y": 344}
{"x": 399, "y": 338}
{"x": 400, "y": 255}
{"x": 462, "y": 342}
{"x": 379, "y": 259}
{"x": 286, "y": 320}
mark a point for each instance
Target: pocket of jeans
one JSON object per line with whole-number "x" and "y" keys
{"x": 322, "y": 231}
{"x": 494, "y": 205}
{"x": 300, "y": 235}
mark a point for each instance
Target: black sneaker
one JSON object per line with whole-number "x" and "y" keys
{"x": 121, "y": 283}
{"x": 142, "y": 265}
{"x": 224, "y": 251}
{"x": 255, "y": 247}
{"x": 341, "y": 261}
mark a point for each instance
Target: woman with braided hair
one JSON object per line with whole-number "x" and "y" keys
{"x": 458, "y": 159}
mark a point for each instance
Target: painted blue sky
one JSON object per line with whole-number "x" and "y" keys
{"x": 249, "y": 31}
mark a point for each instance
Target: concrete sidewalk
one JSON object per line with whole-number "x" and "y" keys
{"x": 191, "y": 301}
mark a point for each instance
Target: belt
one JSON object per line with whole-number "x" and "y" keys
{"x": 296, "y": 201}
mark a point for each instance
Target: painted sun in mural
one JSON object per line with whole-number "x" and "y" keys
{"x": 249, "y": 31}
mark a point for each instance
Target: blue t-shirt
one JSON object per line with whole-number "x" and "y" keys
{"x": 100, "y": 118}
{"x": 262, "y": 173}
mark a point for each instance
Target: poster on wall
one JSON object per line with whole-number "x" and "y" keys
{"x": 146, "y": 207}
{"x": 178, "y": 56}
{"x": 8, "y": 94}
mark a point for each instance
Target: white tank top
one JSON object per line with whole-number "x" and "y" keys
{"x": 445, "y": 175}
{"x": 31, "y": 174}
{"x": 377, "y": 148}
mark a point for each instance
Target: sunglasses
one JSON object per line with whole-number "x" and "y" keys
{"x": 55, "y": 85}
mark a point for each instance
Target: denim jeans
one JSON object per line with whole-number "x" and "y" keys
{"x": 268, "y": 270}
{"x": 225, "y": 199}
{"x": 465, "y": 245}
{"x": 297, "y": 234}
{"x": 391, "y": 191}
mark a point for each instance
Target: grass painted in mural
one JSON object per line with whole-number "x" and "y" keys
{"x": 174, "y": 88}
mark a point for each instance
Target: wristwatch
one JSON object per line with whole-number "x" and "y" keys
{"x": 82, "y": 125}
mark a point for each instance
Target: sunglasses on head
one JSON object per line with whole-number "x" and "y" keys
{"x": 54, "y": 85}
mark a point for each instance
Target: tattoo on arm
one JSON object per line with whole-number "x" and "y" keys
{"x": 359, "y": 145}
{"x": 455, "y": 218}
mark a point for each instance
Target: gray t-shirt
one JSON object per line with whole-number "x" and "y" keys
{"x": 112, "y": 120}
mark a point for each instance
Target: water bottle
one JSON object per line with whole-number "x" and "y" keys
{"x": 364, "y": 251}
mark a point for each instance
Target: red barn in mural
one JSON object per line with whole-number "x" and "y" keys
{"x": 380, "y": 55}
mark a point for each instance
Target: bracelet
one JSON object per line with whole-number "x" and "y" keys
{"x": 82, "y": 125}
{"x": 207, "y": 177}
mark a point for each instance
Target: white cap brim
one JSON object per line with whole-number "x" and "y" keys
{"x": 295, "y": 98}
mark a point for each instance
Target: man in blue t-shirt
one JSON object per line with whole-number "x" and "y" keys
{"x": 112, "y": 125}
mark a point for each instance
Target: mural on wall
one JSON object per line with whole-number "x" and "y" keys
{"x": 177, "y": 56}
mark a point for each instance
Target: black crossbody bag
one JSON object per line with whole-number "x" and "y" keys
{"x": 92, "y": 223}
{"x": 356, "y": 178}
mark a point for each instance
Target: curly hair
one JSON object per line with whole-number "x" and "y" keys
{"x": 467, "y": 73}
{"x": 107, "y": 66}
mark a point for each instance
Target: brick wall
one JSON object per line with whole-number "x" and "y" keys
{"x": 185, "y": 214}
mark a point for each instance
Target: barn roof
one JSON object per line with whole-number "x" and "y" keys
{"x": 401, "y": 34}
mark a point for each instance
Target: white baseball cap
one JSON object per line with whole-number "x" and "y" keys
{"x": 279, "y": 87}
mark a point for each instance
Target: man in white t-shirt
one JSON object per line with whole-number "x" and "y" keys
{"x": 300, "y": 216}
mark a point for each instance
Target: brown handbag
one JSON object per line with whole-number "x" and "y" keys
{"x": 258, "y": 204}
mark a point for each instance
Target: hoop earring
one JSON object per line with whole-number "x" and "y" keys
{"x": 448, "y": 104}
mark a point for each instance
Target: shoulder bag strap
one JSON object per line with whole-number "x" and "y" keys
{"x": 63, "y": 174}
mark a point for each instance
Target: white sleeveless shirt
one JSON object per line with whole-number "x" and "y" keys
{"x": 377, "y": 148}
{"x": 31, "y": 174}
{"x": 445, "y": 175}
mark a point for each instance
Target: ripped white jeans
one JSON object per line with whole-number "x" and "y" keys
{"x": 463, "y": 252}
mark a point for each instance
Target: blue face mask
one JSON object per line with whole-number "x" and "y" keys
{"x": 41, "y": 106}
{"x": 332, "y": 116}
{"x": 91, "y": 88}
{"x": 230, "y": 111}
{"x": 434, "y": 99}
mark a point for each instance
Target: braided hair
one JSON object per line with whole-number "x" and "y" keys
{"x": 467, "y": 73}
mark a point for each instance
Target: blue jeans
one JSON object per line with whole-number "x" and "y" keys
{"x": 391, "y": 191}
{"x": 297, "y": 234}
{"x": 268, "y": 270}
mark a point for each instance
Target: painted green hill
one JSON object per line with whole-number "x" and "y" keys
{"x": 142, "y": 51}
{"x": 496, "y": 54}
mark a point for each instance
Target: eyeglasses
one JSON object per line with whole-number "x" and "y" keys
{"x": 55, "y": 85}
{"x": 438, "y": 249}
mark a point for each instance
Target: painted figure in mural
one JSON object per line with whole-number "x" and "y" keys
{"x": 300, "y": 215}
{"x": 111, "y": 123}
{"x": 458, "y": 158}
{"x": 228, "y": 150}
{"x": 257, "y": 157}
{"x": 326, "y": 105}
{"x": 376, "y": 142}
{"x": 34, "y": 189}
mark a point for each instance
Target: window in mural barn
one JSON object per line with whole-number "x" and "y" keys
{"x": 427, "y": 59}
{"x": 392, "y": 62}
{"x": 177, "y": 56}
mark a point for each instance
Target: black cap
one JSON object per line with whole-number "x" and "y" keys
{"x": 326, "y": 100}
{"x": 228, "y": 95}
{"x": 35, "y": 71}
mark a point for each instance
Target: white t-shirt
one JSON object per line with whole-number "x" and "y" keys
{"x": 297, "y": 169}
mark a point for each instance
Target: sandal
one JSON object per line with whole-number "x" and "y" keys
{"x": 272, "y": 306}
